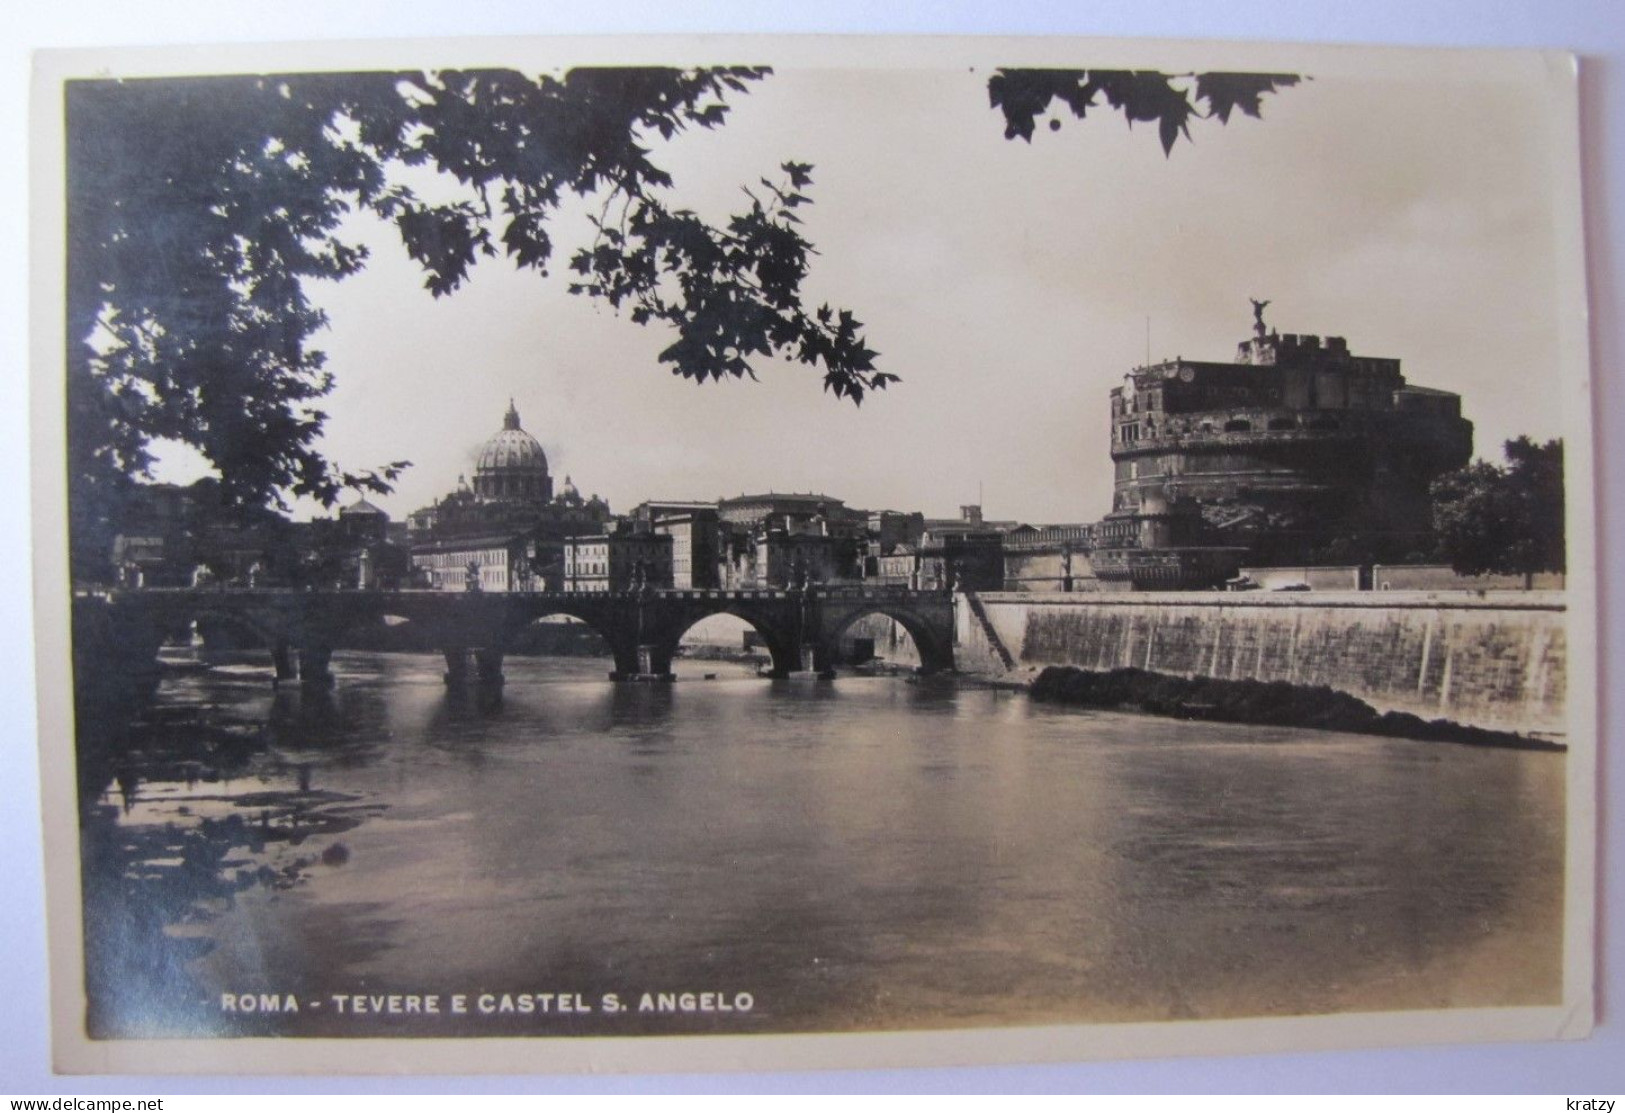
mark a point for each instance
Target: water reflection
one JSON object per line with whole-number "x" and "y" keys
{"x": 867, "y": 852}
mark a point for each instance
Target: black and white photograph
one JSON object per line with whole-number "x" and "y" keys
{"x": 570, "y": 553}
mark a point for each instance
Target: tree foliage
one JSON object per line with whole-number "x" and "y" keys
{"x": 1170, "y": 101}
{"x": 730, "y": 293}
{"x": 1509, "y": 520}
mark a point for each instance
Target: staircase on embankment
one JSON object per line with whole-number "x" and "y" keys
{"x": 974, "y": 602}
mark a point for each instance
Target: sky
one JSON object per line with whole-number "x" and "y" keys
{"x": 1010, "y": 285}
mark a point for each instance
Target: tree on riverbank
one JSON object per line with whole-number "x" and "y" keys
{"x": 1508, "y": 520}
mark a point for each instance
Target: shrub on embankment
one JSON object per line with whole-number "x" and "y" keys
{"x": 1263, "y": 703}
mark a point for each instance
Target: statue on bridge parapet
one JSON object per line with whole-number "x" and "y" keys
{"x": 800, "y": 578}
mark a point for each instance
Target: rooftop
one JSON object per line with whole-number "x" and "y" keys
{"x": 783, "y": 496}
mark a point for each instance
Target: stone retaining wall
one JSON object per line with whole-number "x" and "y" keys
{"x": 1497, "y": 660}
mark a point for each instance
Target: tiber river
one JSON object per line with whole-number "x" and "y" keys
{"x": 868, "y": 852}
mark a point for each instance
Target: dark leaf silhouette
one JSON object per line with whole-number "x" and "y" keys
{"x": 1226, "y": 92}
{"x": 731, "y": 293}
{"x": 1170, "y": 101}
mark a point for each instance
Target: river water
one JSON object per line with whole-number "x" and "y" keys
{"x": 862, "y": 853}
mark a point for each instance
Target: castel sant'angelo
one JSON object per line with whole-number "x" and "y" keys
{"x": 1297, "y": 452}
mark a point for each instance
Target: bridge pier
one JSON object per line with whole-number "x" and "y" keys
{"x": 820, "y": 659}
{"x": 654, "y": 662}
{"x": 488, "y": 666}
{"x": 484, "y": 666}
{"x": 456, "y": 665}
{"x": 626, "y": 662}
{"x": 314, "y": 665}
{"x": 646, "y": 662}
{"x": 285, "y": 662}
{"x": 785, "y": 660}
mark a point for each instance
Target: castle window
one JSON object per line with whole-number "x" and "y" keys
{"x": 1239, "y": 425}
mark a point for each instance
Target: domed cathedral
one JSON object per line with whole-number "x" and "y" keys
{"x": 512, "y": 465}
{"x": 506, "y": 530}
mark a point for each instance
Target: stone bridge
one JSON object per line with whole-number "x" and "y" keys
{"x": 801, "y": 628}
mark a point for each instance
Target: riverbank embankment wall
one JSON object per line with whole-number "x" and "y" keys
{"x": 1497, "y": 660}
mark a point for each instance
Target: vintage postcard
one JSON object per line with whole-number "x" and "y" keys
{"x": 742, "y": 553}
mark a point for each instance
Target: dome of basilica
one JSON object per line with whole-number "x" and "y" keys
{"x": 512, "y": 464}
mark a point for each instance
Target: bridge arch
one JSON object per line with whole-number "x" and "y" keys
{"x": 281, "y": 634}
{"x": 780, "y": 643}
{"x": 267, "y": 635}
{"x": 555, "y": 633}
{"x": 932, "y": 642}
{"x": 620, "y": 639}
{"x": 391, "y": 629}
